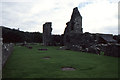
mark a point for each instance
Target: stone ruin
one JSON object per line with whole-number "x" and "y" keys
{"x": 47, "y": 33}
{"x": 74, "y": 26}
{"x": 75, "y": 23}
{"x": 117, "y": 38}
{"x": 74, "y": 38}
{"x": 48, "y": 38}
{"x": 57, "y": 40}
{"x": 1, "y": 52}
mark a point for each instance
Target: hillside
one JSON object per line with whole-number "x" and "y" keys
{"x": 17, "y": 36}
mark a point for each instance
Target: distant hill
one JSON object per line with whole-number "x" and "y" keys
{"x": 17, "y": 36}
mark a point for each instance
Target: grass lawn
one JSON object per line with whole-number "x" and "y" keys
{"x": 29, "y": 63}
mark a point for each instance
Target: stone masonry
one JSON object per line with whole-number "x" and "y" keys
{"x": 0, "y": 52}
{"x": 75, "y": 39}
{"x": 74, "y": 25}
{"x": 47, "y": 33}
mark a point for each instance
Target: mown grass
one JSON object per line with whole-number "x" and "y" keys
{"x": 29, "y": 63}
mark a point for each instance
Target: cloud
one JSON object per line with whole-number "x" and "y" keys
{"x": 119, "y": 18}
{"x": 98, "y": 16}
{"x": 83, "y": 4}
{"x": 0, "y": 13}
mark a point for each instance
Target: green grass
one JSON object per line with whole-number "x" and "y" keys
{"x": 29, "y": 63}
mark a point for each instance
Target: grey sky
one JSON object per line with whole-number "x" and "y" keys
{"x": 99, "y": 16}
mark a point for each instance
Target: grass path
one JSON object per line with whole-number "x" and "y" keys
{"x": 29, "y": 63}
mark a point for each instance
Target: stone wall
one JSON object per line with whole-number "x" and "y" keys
{"x": 87, "y": 42}
{"x": 57, "y": 40}
{"x": 47, "y": 33}
{"x": 117, "y": 38}
{"x": 84, "y": 42}
{"x": 73, "y": 26}
{"x": 0, "y": 52}
{"x": 81, "y": 39}
{"x": 105, "y": 38}
{"x": 75, "y": 23}
{"x": 112, "y": 50}
{"x": 7, "y": 49}
{"x": 75, "y": 39}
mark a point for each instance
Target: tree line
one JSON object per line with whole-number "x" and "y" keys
{"x": 17, "y": 36}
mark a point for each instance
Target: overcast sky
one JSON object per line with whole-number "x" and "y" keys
{"x": 99, "y": 16}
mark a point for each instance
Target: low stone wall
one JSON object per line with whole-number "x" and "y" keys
{"x": 92, "y": 43}
{"x": 112, "y": 50}
{"x": 0, "y": 53}
{"x": 7, "y": 49}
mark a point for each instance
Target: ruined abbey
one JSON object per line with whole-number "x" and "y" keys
{"x": 74, "y": 38}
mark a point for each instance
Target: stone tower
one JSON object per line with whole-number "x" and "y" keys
{"x": 47, "y": 33}
{"x": 73, "y": 26}
{"x": 75, "y": 23}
